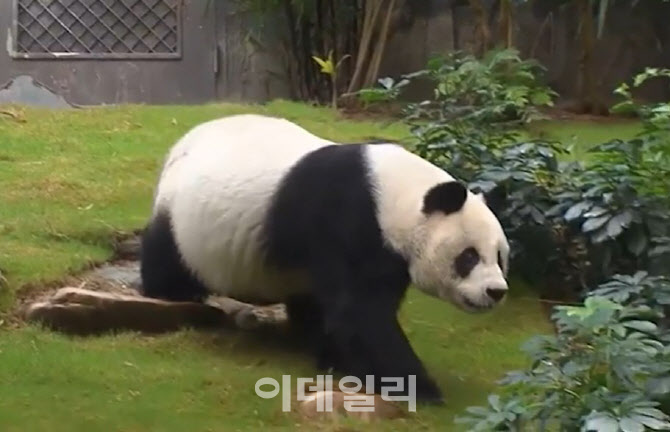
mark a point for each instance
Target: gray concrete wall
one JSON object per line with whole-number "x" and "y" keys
{"x": 190, "y": 79}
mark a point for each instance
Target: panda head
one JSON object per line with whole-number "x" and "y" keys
{"x": 462, "y": 252}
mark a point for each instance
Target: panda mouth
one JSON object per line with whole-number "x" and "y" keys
{"x": 474, "y": 306}
{"x": 469, "y": 303}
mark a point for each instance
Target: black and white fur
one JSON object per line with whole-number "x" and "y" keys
{"x": 258, "y": 209}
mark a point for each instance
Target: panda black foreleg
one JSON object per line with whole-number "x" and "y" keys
{"x": 393, "y": 356}
{"x": 372, "y": 343}
{"x": 361, "y": 326}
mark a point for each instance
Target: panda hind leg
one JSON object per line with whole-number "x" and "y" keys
{"x": 163, "y": 273}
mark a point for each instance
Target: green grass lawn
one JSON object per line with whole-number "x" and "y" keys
{"x": 580, "y": 135}
{"x": 70, "y": 180}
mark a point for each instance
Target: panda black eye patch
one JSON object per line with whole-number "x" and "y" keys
{"x": 466, "y": 261}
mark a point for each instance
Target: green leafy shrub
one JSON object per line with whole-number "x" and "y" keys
{"x": 387, "y": 90}
{"x": 640, "y": 289}
{"x": 498, "y": 89}
{"x": 606, "y": 369}
{"x": 618, "y": 202}
{"x": 656, "y": 116}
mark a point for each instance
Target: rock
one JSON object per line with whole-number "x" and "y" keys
{"x": 128, "y": 249}
{"x": 381, "y": 409}
{"x": 123, "y": 274}
{"x": 79, "y": 311}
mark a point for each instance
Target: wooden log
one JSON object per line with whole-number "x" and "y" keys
{"x": 79, "y": 311}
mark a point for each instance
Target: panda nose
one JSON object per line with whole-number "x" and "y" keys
{"x": 496, "y": 293}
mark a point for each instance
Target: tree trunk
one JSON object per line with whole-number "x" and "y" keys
{"x": 334, "y": 35}
{"x": 333, "y": 95}
{"x": 311, "y": 81}
{"x": 587, "y": 90}
{"x": 484, "y": 34}
{"x": 300, "y": 79}
{"x": 454, "y": 27}
{"x": 506, "y": 22}
{"x": 372, "y": 9}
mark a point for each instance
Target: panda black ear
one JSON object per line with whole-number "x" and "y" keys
{"x": 447, "y": 198}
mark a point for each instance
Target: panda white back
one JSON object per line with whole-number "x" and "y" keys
{"x": 241, "y": 143}
{"x": 216, "y": 185}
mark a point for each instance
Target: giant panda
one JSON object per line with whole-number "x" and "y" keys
{"x": 258, "y": 209}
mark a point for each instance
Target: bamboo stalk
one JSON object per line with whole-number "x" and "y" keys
{"x": 588, "y": 93}
{"x": 375, "y": 62}
{"x": 372, "y": 9}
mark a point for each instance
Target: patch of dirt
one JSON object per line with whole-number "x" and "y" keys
{"x": 352, "y": 109}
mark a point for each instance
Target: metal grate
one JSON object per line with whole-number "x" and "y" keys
{"x": 97, "y": 28}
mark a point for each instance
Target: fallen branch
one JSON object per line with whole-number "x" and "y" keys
{"x": 81, "y": 311}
